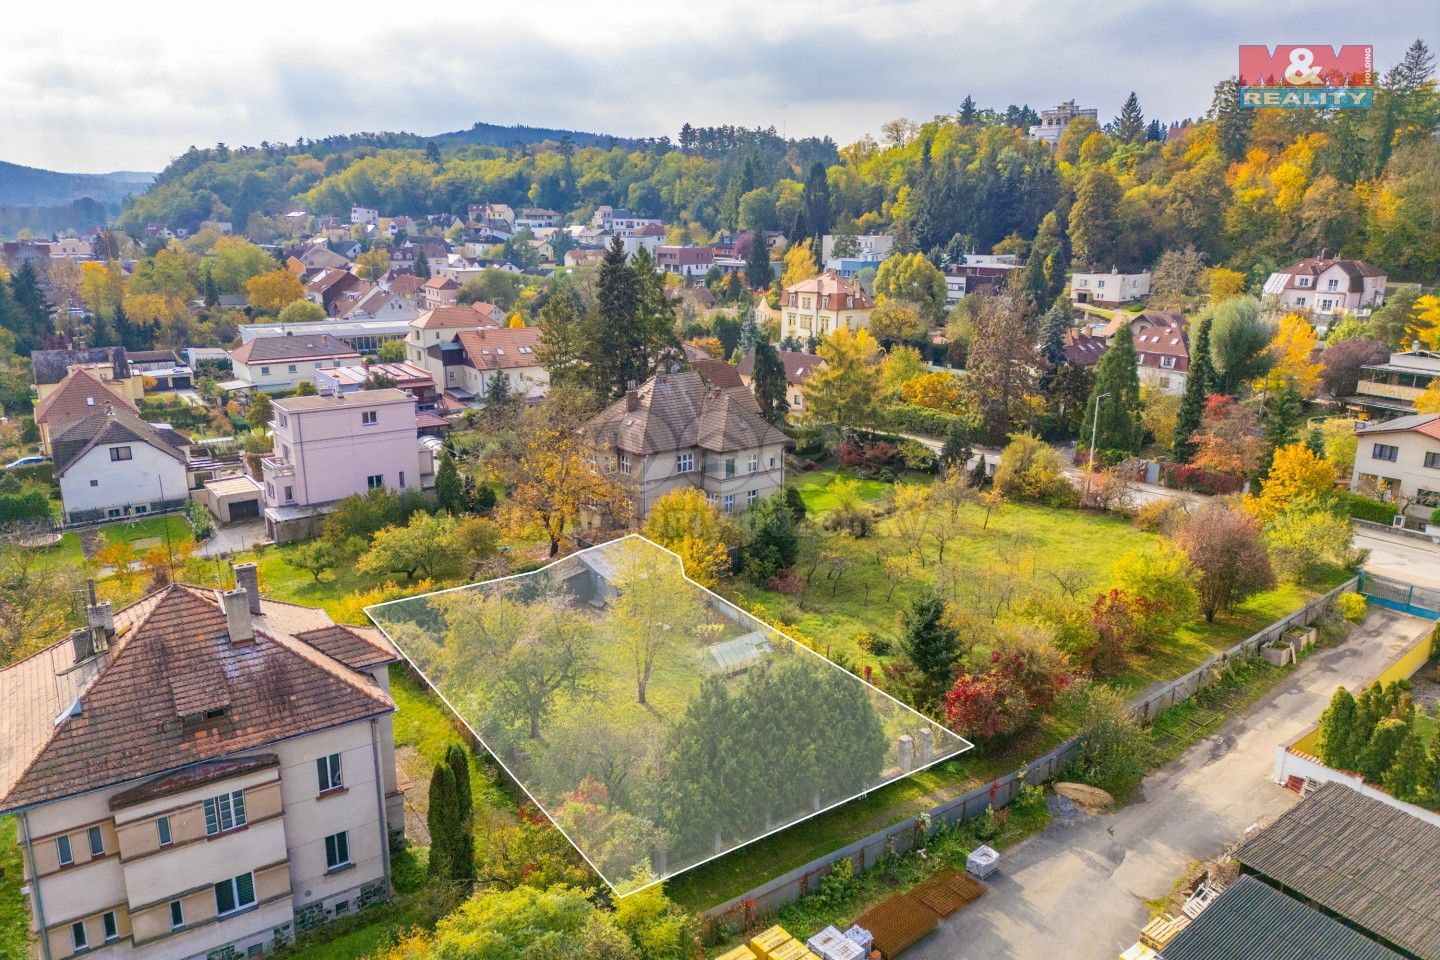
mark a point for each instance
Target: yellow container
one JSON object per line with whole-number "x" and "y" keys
{"x": 790, "y": 950}
{"x": 739, "y": 953}
{"x": 765, "y": 942}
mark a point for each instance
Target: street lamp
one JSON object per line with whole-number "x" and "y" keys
{"x": 1094, "y": 431}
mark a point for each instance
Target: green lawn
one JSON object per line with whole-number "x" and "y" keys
{"x": 814, "y": 487}
{"x": 149, "y": 532}
{"x": 14, "y": 918}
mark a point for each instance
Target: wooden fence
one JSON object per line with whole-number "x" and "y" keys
{"x": 771, "y": 895}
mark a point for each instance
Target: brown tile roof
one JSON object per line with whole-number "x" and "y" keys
{"x": 1363, "y": 859}
{"x": 294, "y": 346}
{"x": 798, "y": 365}
{"x": 191, "y": 777}
{"x": 442, "y": 318}
{"x": 123, "y": 724}
{"x": 1083, "y": 350}
{"x": 677, "y": 411}
{"x": 1161, "y": 333}
{"x": 359, "y": 648}
{"x": 441, "y": 283}
{"x": 1356, "y": 270}
{"x": 500, "y": 348}
{"x": 718, "y": 373}
{"x": 331, "y": 277}
{"x": 406, "y": 284}
{"x": 116, "y": 425}
{"x": 833, "y": 293}
{"x": 78, "y": 396}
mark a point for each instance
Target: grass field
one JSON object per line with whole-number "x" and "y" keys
{"x": 815, "y": 488}
{"x": 14, "y": 918}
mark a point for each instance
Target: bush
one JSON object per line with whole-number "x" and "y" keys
{"x": 27, "y": 503}
{"x": 1366, "y": 508}
{"x": 1031, "y": 469}
{"x": 200, "y": 520}
{"x": 916, "y": 456}
{"x": 908, "y": 418}
{"x": 1183, "y": 476}
{"x": 1351, "y": 606}
{"x": 1160, "y": 516}
{"x": 39, "y": 473}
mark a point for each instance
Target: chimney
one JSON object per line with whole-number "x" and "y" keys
{"x": 247, "y": 578}
{"x": 237, "y": 617}
{"x": 632, "y": 400}
{"x": 84, "y": 642}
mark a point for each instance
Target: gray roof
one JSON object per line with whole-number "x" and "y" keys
{"x": 1252, "y": 920}
{"x": 1361, "y": 859}
{"x": 116, "y": 425}
{"x": 51, "y": 365}
{"x": 1399, "y": 423}
{"x": 292, "y": 346}
{"x": 678, "y": 411}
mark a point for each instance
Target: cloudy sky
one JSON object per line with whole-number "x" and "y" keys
{"x": 96, "y": 87}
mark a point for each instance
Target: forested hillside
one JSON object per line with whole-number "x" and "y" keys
{"x": 32, "y": 187}
{"x": 1246, "y": 188}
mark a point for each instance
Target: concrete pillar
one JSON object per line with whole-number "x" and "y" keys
{"x": 659, "y": 861}
{"x": 927, "y": 745}
{"x": 906, "y": 750}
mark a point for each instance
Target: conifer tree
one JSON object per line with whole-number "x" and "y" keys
{"x": 449, "y": 491}
{"x": 1198, "y": 382}
{"x": 463, "y": 860}
{"x": 1411, "y": 773}
{"x": 929, "y": 644}
{"x": 1095, "y": 220}
{"x": 1117, "y": 395}
{"x": 31, "y": 314}
{"x": 758, "y": 272}
{"x": 1380, "y": 752}
{"x": 1337, "y": 731}
{"x": 968, "y": 112}
{"x": 124, "y": 333}
{"x": 1129, "y": 127}
{"x": 979, "y": 473}
{"x": 443, "y": 821}
{"x": 770, "y": 383}
{"x": 1052, "y": 334}
{"x": 1232, "y": 121}
{"x": 422, "y": 264}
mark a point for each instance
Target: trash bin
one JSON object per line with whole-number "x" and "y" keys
{"x": 982, "y": 862}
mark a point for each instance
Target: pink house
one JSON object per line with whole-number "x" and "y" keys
{"x": 329, "y": 447}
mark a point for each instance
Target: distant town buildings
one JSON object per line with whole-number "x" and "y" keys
{"x": 1056, "y": 120}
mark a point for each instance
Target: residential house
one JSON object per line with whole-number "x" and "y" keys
{"x": 685, "y": 261}
{"x": 407, "y": 285}
{"x": 582, "y": 254}
{"x": 481, "y": 214}
{"x": 318, "y": 256}
{"x": 1391, "y": 388}
{"x": 202, "y": 773}
{"x": 363, "y": 335}
{"x": 276, "y": 364}
{"x": 609, "y": 219}
{"x": 1324, "y": 287}
{"x": 1162, "y": 349}
{"x": 533, "y": 217}
{"x": 1054, "y": 122}
{"x": 404, "y": 376}
{"x": 676, "y": 431}
{"x": 72, "y": 248}
{"x": 76, "y": 397}
{"x": 1399, "y": 461}
{"x": 1111, "y": 289}
{"x": 162, "y": 366}
{"x": 112, "y": 464}
{"x": 798, "y": 366}
{"x": 439, "y": 326}
{"x": 329, "y": 447}
{"x": 647, "y": 237}
{"x": 819, "y": 306}
{"x": 365, "y": 215}
{"x": 1081, "y": 349}
{"x": 326, "y": 287}
{"x": 108, "y": 364}
{"x": 377, "y": 303}
{"x": 979, "y": 271}
{"x": 868, "y": 246}
{"x": 467, "y": 364}
{"x": 439, "y": 291}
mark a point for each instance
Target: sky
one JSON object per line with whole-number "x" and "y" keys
{"x": 92, "y": 87}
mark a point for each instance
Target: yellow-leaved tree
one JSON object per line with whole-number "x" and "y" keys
{"x": 800, "y": 264}
{"x": 273, "y": 290}
{"x": 1293, "y": 349}
{"x": 1425, "y": 328}
{"x": 842, "y": 393}
{"x": 686, "y": 522}
{"x": 554, "y": 479}
{"x": 1297, "y": 477}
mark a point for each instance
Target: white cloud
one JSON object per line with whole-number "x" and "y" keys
{"x": 113, "y": 88}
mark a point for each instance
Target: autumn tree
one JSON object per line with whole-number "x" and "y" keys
{"x": 554, "y": 479}
{"x": 1094, "y": 220}
{"x": 1291, "y": 352}
{"x": 800, "y": 263}
{"x": 270, "y": 292}
{"x": 685, "y": 521}
{"x": 1226, "y": 553}
{"x": 894, "y": 319}
{"x": 1297, "y": 477}
{"x": 420, "y": 546}
{"x": 1341, "y": 364}
{"x": 1002, "y": 360}
{"x": 912, "y": 278}
{"x": 1228, "y": 440}
{"x": 1239, "y": 343}
{"x": 844, "y": 390}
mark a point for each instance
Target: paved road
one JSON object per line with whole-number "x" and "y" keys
{"x": 1401, "y": 558}
{"x": 1079, "y": 891}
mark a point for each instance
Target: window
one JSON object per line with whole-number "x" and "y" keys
{"x": 97, "y": 842}
{"x": 402, "y": 479}
{"x": 368, "y": 418}
{"x": 710, "y": 496}
{"x": 264, "y": 371}
{"x": 375, "y": 481}
{"x": 177, "y": 915}
{"x": 329, "y": 770}
{"x": 235, "y": 894}
{"x": 78, "y": 937}
{"x": 285, "y": 452}
{"x": 342, "y": 907}
{"x": 1326, "y": 305}
{"x": 225, "y": 812}
{"x": 284, "y": 420}
{"x": 289, "y": 494}
{"x": 1332, "y": 284}
{"x": 1385, "y": 451}
{"x": 753, "y": 463}
{"x": 751, "y": 496}
{"x": 290, "y": 368}
{"x": 622, "y": 462}
{"x": 1299, "y": 301}
{"x": 112, "y": 929}
{"x": 684, "y": 462}
{"x": 162, "y": 831}
{"x": 729, "y": 502}
{"x": 730, "y": 467}
{"x": 63, "y": 852}
{"x": 94, "y": 483}
{"x": 1432, "y": 461}
{"x": 1168, "y": 363}
{"x": 119, "y": 453}
{"x": 1099, "y": 283}
{"x": 337, "y": 850}
{"x": 1304, "y": 282}
{"x": 772, "y": 463}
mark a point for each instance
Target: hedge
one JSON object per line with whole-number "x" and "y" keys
{"x": 41, "y": 473}
{"x": 1365, "y": 508}
{"x": 909, "y": 418}
{"x": 29, "y": 503}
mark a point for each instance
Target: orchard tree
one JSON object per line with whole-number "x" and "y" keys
{"x": 1226, "y": 553}
{"x": 421, "y": 546}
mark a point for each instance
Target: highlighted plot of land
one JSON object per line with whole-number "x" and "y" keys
{"x": 657, "y": 724}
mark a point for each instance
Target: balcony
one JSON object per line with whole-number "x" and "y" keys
{"x": 273, "y": 468}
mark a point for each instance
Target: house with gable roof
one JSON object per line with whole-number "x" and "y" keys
{"x": 1325, "y": 286}
{"x": 111, "y": 465}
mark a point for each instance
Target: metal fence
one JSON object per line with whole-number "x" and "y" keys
{"x": 766, "y": 899}
{"x": 1398, "y": 595}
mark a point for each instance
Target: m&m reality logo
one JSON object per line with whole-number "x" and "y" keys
{"x": 1313, "y": 75}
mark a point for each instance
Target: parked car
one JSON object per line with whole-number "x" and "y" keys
{"x": 25, "y": 462}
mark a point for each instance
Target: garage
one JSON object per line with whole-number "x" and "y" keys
{"x": 232, "y": 499}
{"x": 244, "y": 510}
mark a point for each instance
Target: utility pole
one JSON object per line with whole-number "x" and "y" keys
{"x": 1094, "y": 432}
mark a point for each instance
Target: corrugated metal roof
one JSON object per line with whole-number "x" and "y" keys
{"x": 1362, "y": 859}
{"x": 1253, "y": 920}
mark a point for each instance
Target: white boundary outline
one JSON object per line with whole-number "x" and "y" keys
{"x": 795, "y": 644}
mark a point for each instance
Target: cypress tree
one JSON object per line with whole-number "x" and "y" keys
{"x": 211, "y": 291}
{"x": 1198, "y": 382}
{"x": 31, "y": 317}
{"x": 1337, "y": 731}
{"x": 422, "y": 264}
{"x": 930, "y": 645}
{"x": 1412, "y": 772}
{"x": 449, "y": 491}
{"x": 758, "y": 272}
{"x": 1117, "y": 394}
{"x": 1384, "y": 744}
{"x": 770, "y": 384}
{"x": 443, "y": 820}
{"x": 463, "y": 859}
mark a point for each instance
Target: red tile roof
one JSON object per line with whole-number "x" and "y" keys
{"x": 500, "y": 348}
{"x": 78, "y": 396}
{"x": 833, "y": 293}
{"x": 458, "y": 317}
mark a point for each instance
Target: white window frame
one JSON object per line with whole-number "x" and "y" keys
{"x": 163, "y": 833}
{"x": 375, "y": 481}
{"x": 224, "y": 812}
{"x": 753, "y": 464}
{"x": 233, "y": 884}
{"x": 684, "y": 462}
{"x": 369, "y": 418}
{"x": 728, "y": 502}
{"x": 337, "y": 850}
{"x": 177, "y": 914}
{"x": 329, "y": 772}
{"x": 96, "y": 838}
{"x": 109, "y": 927}
{"x": 79, "y": 936}
{"x": 64, "y": 851}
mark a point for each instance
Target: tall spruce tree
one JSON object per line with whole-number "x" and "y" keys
{"x": 449, "y": 491}
{"x": 1117, "y": 395}
{"x": 770, "y": 384}
{"x": 1052, "y": 335}
{"x": 758, "y": 272}
{"x": 929, "y": 644}
{"x": 968, "y": 111}
{"x": 421, "y": 265}
{"x": 1232, "y": 121}
{"x": 1129, "y": 127}
{"x": 616, "y": 345}
{"x": 124, "y": 332}
{"x": 31, "y": 316}
{"x": 443, "y": 821}
{"x": 1198, "y": 383}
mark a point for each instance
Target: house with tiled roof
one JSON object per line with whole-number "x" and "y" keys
{"x": 332, "y": 289}
{"x": 77, "y": 396}
{"x": 111, "y": 464}
{"x": 1162, "y": 349}
{"x": 1111, "y": 289}
{"x": 108, "y": 364}
{"x": 1399, "y": 461}
{"x": 439, "y": 292}
{"x": 675, "y": 431}
{"x": 798, "y": 367}
{"x": 818, "y": 307}
{"x": 1325, "y": 286}
{"x": 201, "y": 773}
{"x": 282, "y": 363}
{"x": 1082, "y": 349}
{"x": 1391, "y": 388}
